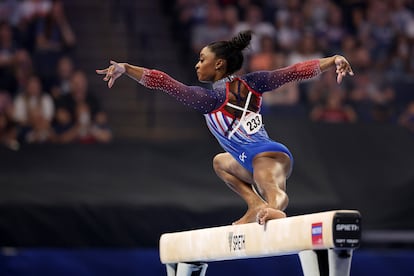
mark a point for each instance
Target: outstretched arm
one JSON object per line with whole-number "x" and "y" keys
{"x": 199, "y": 98}
{"x": 263, "y": 81}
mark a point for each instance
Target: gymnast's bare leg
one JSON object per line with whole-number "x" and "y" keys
{"x": 270, "y": 170}
{"x": 270, "y": 181}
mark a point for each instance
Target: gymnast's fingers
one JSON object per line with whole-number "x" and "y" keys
{"x": 346, "y": 67}
{"x": 111, "y": 82}
{"x": 102, "y": 71}
{"x": 339, "y": 77}
{"x": 107, "y": 70}
{"x": 350, "y": 72}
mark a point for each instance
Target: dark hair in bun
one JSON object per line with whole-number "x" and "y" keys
{"x": 231, "y": 50}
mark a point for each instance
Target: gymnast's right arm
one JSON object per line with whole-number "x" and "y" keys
{"x": 201, "y": 99}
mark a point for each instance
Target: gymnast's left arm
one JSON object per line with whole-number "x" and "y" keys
{"x": 263, "y": 81}
{"x": 201, "y": 99}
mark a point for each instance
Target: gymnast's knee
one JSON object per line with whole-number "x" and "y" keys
{"x": 218, "y": 163}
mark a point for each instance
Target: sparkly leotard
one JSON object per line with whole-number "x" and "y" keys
{"x": 212, "y": 103}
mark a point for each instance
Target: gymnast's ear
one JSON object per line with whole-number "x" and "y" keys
{"x": 220, "y": 64}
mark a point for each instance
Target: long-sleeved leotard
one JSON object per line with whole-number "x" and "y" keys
{"x": 206, "y": 100}
{"x": 212, "y": 103}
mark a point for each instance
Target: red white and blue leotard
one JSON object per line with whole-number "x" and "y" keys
{"x": 212, "y": 103}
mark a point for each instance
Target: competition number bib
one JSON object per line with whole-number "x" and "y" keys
{"x": 252, "y": 122}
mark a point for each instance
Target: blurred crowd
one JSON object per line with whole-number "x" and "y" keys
{"x": 375, "y": 36}
{"x": 44, "y": 96}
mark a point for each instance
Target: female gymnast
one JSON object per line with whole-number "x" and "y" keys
{"x": 253, "y": 165}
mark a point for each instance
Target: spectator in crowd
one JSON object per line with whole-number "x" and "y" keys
{"x": 79, "y": 95}
{"x": 360, "y": 27}
{"x": 400, "y": 16}
{"x": 382, "y": 33}
{"x": 383, "y": 109}
{"x": 90, "y": 123}
{"x": 36, "y": 40}
{"x": 406, "y": 119}
{"x": 61, "y": 83}
{"x": 399, "y": 60}
{"x": 254, "y": 21}
{"x": 63, "y": 126}
{"x": 318, "y": 91}
{"x": 33, "y": 110}
{"x": 100, "y": 129}
{"x": 369, "y": 97}
{"x": 333, "y": 110}
{"x": 8, "y": 50}
{"x": 212, "y": 29}
{"x": 334, "y": 31}
{"x": 349, "y": 46}
{"x": 83, "y": 123}
{"x": 316, "y": 14}
{"x": 288, "y": 27}
{"x": 362, "y": 58}
{"x": 9, "y": 11}
{"x": 24, "y": 69}
{"x": 54, "y": 33}
{"x": 307, "y": 48}
{"x": 266, "y": 58}
{"x": 30, "y": 9}
{"x": 54, "y": 37}
{"x": 183, "y": 22}
{"x": 8, "y": 131}
{"x": 29, "y": 12}
{"x": 82, "y": 128}
{"x": 231, "y": 18}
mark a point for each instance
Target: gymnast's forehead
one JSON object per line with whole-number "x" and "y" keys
{"x": 206, "y": 52}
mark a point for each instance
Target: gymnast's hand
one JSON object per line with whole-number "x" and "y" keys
{"x": 114, "y": 71}
{"x": 342, "y": 67}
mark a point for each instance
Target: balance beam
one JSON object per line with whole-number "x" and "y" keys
{"x": 338, "y": 230}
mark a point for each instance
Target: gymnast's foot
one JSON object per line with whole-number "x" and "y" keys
{"x": 268, "y": 213}
{"x": 250, "y": 215}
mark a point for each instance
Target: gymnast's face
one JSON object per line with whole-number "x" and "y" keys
{"x": 208, "y": 66}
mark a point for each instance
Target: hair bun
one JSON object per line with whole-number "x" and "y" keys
{"x": 241, "y": 40}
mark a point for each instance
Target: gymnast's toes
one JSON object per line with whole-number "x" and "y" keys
{"x": 266, "y": 214}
